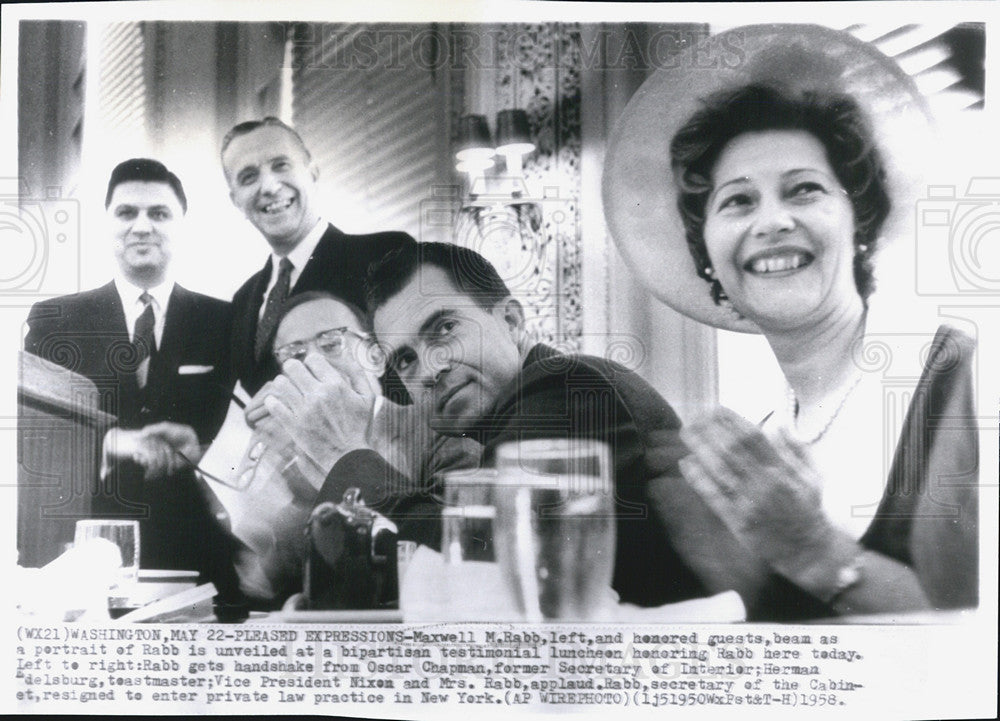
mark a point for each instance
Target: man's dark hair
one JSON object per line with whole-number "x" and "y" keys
{"x": 249, "y": 126}
{"x": 309, "y": 296}
{"x": 470, "y": 273}
{"x": 144, "y": 170}
{"x": 836, "y": 121}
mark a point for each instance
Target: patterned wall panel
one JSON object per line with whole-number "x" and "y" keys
{"x": 536, "y": 246}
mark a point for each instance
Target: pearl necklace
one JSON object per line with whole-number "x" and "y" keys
{"x": 793, "y": 410}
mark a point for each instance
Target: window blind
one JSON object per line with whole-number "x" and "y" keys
{"x": 371, "y": 102}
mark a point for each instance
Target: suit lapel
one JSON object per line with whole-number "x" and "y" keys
{"x": 178, "y": 309}
{"x": 245, "y": 329}
{"x": 110, "y": 319}
{"x": 313, "y": 274}
{"x": 256, "y": 301}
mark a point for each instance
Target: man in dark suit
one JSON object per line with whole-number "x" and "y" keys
{"x": 455, "y": 336}
{"x": 272, "y": 181}
{"x": 158, "y": 354}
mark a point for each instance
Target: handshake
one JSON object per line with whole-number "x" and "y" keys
{"x": 160, "y": 449}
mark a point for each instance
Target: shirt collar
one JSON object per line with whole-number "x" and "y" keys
{"x": 300, "y": 254}
{"x": 129, "y": 292}
{"x": 538, "y": 353}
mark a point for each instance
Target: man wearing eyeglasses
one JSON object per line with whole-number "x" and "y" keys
{"x": 331, "y": 338}
{"x": 338, "y": 333}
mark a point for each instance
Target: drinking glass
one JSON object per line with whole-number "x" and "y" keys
{"x": 124, "y": 534}
{"x": 555, "y": 528}
{"x": 404, "y": 552}
{"x": 472, "y": 582}
{"x": 467, "y": 516}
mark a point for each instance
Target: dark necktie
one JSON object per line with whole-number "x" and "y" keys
{"x": 268, "y": 321}
{"x": 144, "y": 339}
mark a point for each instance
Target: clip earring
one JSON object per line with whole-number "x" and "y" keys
{"x": 862, "y": 248}
{"x": 710, "y": 271}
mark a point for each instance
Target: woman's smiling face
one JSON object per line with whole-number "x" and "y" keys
{"x": 779, "y": 230}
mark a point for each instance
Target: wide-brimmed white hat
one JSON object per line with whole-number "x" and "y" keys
{"x": 640, "y": 198}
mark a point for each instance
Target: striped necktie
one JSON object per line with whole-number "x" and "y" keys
{"x": 144, "y": 339}
{"x": 275, "y": 299}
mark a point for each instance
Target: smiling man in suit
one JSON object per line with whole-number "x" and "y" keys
{"x": 158, "y": 354}
{"x": 150, "y": 345}
{"x": 272, "y": 181}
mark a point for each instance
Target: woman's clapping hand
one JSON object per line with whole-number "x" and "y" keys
{"x": 766, "y": 491}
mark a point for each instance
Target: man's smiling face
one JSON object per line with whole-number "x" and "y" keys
{"x": 272, "y": 182}
{"x": 143, "y": 216}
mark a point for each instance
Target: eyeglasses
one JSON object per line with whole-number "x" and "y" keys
{"x": 329, "y": 342}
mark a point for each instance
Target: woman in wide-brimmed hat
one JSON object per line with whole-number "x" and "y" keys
{"x": 781, "y": 189}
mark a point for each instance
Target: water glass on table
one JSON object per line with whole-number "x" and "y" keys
{"x": 472, "y": 579}
{"x": 124, "y": 534}
{"x": 555, "y": 528}
{"x": 463, "y": 582}
{"x": 467, "y": 516}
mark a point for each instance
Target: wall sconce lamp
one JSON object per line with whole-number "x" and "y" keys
{"x": 513, "y": 140}
{"x": 498, "y": 216}
{"x": 476, "y": 151}
{"x": 475, "y": 145}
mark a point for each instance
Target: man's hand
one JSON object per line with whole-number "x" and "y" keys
{"x": 326, "y": 411}
{"x": 166, "y": 448}
{"x": 158, "y": 448}
{"x": 255, "y": 411}
{"x": 178, "y": 436}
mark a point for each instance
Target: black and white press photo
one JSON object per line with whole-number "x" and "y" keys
{"x": 382, "y": 361}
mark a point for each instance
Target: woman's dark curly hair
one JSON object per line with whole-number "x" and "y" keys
{"x": 835, "y": 120}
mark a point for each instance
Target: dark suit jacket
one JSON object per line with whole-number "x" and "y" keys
{"x": 560, "y": 396}
{"x": 87, "y": 333}
{"x": 338, "y": 265}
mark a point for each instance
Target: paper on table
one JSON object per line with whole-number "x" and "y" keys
{"x": 238, "y": 457}
{"x": 189, "y": 603}
{"x": 90, "y": 570}
{"x": 267, "y": 501}
{"x": 224, "y": 457}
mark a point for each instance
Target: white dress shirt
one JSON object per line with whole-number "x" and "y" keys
{"x": 299, "y": 256}
{"x": 133, "y": 306}
{"x": 856, "y": 452}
